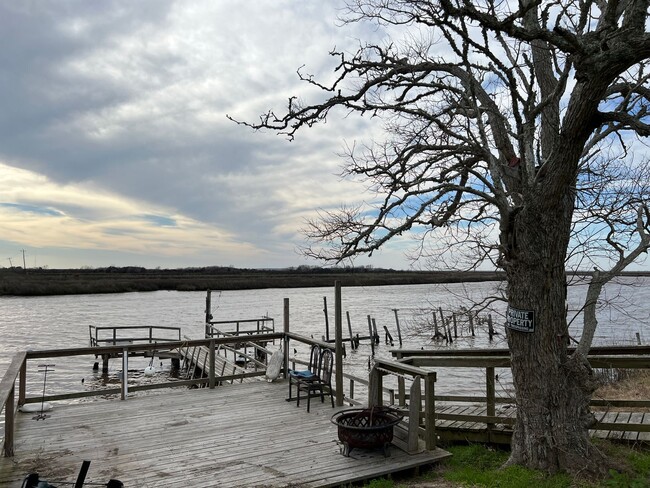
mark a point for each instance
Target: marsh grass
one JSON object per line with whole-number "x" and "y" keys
{"x": 630, "y": 384}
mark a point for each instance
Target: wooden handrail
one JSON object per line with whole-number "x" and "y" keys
{"x": 597, "y": 361}
{"x": 7, "y": 399}
{"x": 603, "y": 357}
{"x": 500, "y": 351}
{"x": 401, "y": 369}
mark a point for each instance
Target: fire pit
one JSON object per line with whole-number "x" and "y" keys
{"x": 366, "y": 428}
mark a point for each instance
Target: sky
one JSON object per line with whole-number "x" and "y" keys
{"x": 115, "y": 148}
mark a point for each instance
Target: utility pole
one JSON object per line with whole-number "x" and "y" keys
{"x": 11, "y": 265}
{"x": 24, "y": 265}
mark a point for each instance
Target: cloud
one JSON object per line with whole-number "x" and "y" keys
{"x": 102, "y": 221}
{"x": 113, "y": 133}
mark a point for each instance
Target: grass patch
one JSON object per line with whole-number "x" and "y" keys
{"x": 480, "y": 466}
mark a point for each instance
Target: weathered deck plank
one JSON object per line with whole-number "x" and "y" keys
{"x": 450, "y": 430}
{"x": 235, "y": 435}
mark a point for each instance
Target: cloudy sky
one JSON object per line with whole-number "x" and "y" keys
{"x": 115, "y": 148}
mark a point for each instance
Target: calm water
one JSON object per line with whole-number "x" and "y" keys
{"x": 62, "y": 321}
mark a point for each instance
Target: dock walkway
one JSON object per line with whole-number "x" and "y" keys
{"x": 197, "y": 364}
{"x": 240, "y": 435}
{"x": 466, "y": 423}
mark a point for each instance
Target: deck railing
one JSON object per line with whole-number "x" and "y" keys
{"x": 600, "y": 357}
{"x": 220, "y": 328}
{"x": 132, "y": 334}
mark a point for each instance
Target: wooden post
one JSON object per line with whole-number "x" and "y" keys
{"x": 125, "y": 373}
{"x": 401, "y": 391}
{"x": 372, "y": 337}
{"x": 490, "y": 394}
{"x": 375, "y": 336}
{"x": 442, "y": 317}
{"x": 638, "y": 338}
{"x": 453, "y": 318}
{"x": 286, "y": 338}
{"x": 470, "y": 318}
{"x": 352, "y": 345}
{"x": 208, "y": 312}
{"x": 22, "y": 387}
{"x": 415, "y": 395}
{"x": 399, "y": 332}
{"x": 374, "y": 388}
{"x": 387, "y": 337}
{"x": 211, "y": 374}
{"x": 327, "y": 322}
{"x": 10, "y": 409}
{"x": 338, "y": 335}
{"x": 436, "y": 333}
{"x": 429, "y": 412}
{"x": 490, "y": 328}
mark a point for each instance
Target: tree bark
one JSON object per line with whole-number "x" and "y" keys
{"x": 553, "y": 388}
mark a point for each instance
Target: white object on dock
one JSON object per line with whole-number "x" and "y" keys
{"x": 275, "y": 365}
{"x": 36, "y": 407}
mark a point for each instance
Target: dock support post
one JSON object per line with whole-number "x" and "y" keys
{"x": 22, "y": 387}
{"x": 8, "y": 446}
{"x": 105, "y": 358}
{"x": 208, "y": 312}
{"x": 490, "y": 394}
{"x": 125, "y": 373}
{"x": 401, "y": 391}
{"x": 375, "y": 388}
{"x": 399, "y": 332}
{"x": 352, "y": 344}
{"x": 372, "y": 337}
{"x": 327, "y": 321}
{"x": 415, "y": 405}
{"x": 338, "y": 330}
{"x": 286, "y": 338}
{"x": 374, "y": 331}
{"x": 211, "y": 374}
{"x": 430, "y": 411}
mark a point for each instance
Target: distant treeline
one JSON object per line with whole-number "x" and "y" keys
{"x": 17, "y": 281}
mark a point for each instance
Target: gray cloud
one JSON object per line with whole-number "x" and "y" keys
{"x": 130, "y": 98}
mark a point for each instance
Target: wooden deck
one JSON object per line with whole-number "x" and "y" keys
{"x": 235, "y": 435}
{"x": 466, "y": 423}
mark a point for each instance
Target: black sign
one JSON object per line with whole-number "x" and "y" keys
{"x": 520, "y": 320}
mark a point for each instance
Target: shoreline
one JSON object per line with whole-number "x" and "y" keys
{"x": 41, "y": 282}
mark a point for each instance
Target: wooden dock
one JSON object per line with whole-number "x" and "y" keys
{"x": 467, "y": 423}
{"x": 243, "y": 435}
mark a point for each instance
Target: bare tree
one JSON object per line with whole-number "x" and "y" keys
{"x": 496, "y": 117}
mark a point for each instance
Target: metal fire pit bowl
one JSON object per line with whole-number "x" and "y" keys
{"x": 367, "y": 428}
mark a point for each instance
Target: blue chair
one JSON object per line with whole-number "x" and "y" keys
{"x": 303, "y": 377}
{"x": 322, "y": 384}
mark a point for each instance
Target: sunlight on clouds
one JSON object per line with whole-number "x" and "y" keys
{"x": 86, "y": 218}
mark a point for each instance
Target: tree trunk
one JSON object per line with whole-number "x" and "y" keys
{"x": 552, "y": 389}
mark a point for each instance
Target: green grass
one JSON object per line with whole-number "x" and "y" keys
{"x": 480, "y": 466}
{"x": 477, "y": 465}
